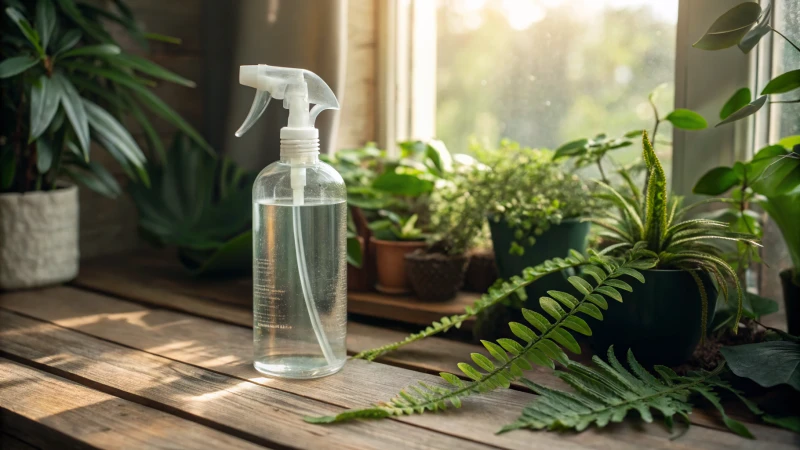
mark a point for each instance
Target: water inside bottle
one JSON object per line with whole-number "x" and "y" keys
{"x": 285, "y": 343}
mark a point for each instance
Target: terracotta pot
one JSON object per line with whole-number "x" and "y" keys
{"x": 38, "y": 238}
{"x": 390, "y": 262}
{"x": 481, "y": 271}
{"x": 435, "y": 277}
{"x": 358, "y": 277}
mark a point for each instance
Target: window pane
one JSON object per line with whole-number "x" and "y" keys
{"x": 787, "y": 22}
{"x": 543, "y": 72}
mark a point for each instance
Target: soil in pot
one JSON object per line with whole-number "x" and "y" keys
{"x": 435, "y": 277}
{"x": 553, "y": 243}
{"x": 481, "y": 271}
{"x": 391, "y": 266}
{"x": 791, "y": 300}
{"x": 660, "y": 320}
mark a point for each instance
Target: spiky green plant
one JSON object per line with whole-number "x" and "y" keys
{"x": 495, "y": 295}
{"x": 655, "y": 217}
{"x": 609, "y": 391}
{"x": 510, "y": 357}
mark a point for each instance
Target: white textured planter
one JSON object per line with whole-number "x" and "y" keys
{"x": 38, "y": 238}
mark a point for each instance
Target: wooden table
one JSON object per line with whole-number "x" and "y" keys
{"x": 136, "y": 355}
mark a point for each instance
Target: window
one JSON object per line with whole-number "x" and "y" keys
{"x": 543, "y": 72}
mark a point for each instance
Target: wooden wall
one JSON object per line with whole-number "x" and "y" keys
{"x": 109, "y": 226}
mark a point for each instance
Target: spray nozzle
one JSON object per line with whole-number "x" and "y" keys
{"x": 298, "y": 88}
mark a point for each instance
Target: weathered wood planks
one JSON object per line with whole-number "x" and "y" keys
{"x": 50, "y": 412}
{"x": 226, "y": 349}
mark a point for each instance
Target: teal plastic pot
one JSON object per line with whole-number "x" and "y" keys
{"x": 553, "y": 243}
{"x": 660, "y": 320}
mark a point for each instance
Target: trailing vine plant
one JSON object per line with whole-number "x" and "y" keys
{"x": 512, "y": 357}
{"x": 495, "y": 295}
{"x": 609, "y": 391}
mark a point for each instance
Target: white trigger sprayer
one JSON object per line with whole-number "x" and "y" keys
{"x": 298, "y": 89}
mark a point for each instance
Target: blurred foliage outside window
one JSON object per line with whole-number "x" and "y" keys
{"x": 543, "y": 72}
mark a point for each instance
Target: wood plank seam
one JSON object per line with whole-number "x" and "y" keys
{"x": 135, "y": 398}
{"x": 143, "y": 401}
{"x": 716, "y": 425}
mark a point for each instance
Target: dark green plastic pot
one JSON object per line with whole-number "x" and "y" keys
{"x": 791, "y": 300}
{"x": 660, "y": 320}
{"x": 553, "y": 243}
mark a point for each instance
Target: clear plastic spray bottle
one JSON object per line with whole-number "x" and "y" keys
{"x": 299, "y": 226}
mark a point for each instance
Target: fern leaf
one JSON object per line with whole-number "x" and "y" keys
{"x": 609, "y": 391}
{"x": 494, "y": 296}
{"x": 541, "y": 349}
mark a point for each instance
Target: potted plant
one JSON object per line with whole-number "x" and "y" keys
{"x": 534, "y": 210}
{"x": 663, "y": 320}
{"x": 772, "y": 179}
{"x": 65, "y": 84}
{"x": 393, "y": 237}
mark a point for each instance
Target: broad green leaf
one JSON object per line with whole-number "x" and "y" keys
{"x": 716, "y": 181}
{"x": 580, "y": 284}
{"x": 234, "y": 257}
{"x": 16, "y": 65}
{"x": 730, "y": 27}
{"x": 738, "y": 100}
{"x": 786, "y": 82}
{"x": 571, "y": 148}
{"x": 790, "y": 142}
{"x": 774, "y": 171}
{"x": 150, "y": 68}
{"x": 104, "y": 124}
{"x": 45, "y": 20}
{"x": 440, "y": 156}
{"x": 354, "y": 253}
{"x": 747, "y": 110}
{"x": 67, "y": 41}
{"x": 755, "y": 306}
{"x": 789, "y": 422}
{"x": 76, "y": 113}
{"x": 402, "y": 184}
{"x": 687, "y": 119}
{"x": 752, "y": 37}
{"x": 44, "y": 155}
{"x": 27, "y": 30}
{"x": 93, "y": 50}
{"x": 45, "y": 96}
{"x": 767, "y": 363}
{"x": 96, "y": 178}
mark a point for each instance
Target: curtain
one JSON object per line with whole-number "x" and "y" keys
{"x": 308, "y": 34}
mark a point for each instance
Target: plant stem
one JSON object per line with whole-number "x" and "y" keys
{"x": 787, "y": 39}
{"x": 602, "y": 172}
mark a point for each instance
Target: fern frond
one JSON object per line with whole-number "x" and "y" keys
{"x": 609, "y": 391}
{"x": 491, "y": 298}
{"x": 512, "y": 357}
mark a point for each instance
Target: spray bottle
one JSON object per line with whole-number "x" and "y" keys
{"x": 299, "y": 226}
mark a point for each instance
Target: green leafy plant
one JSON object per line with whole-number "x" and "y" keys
{"x": 609, "y": 391}
{"x": 396, "y": 228}
{"x": 201, "y": 205}
{"x": 770, "y": 180}
{"x": 744, "y": 25}
{"x": 767, "y": 363}
{"x": 510, "y": 357}
{"x": 594, "y": 151}
{"x": 655, "y": 217}
{"x": 65, "y": 82}
{"x": 525, "y": 188}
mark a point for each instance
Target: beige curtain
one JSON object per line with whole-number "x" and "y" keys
{"x": 308, "y": 34}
